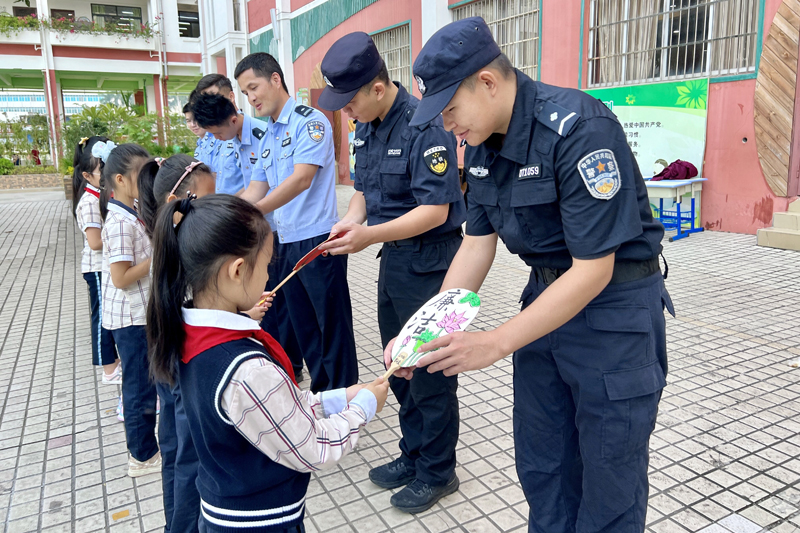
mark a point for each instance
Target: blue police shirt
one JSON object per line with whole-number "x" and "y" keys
{"x": 561, "y": 183}
{"x": 399, "y": 167}
{"x": 206, "y": 152}
{"x": 301, "y": 135}
{"x": 229, "y": 174}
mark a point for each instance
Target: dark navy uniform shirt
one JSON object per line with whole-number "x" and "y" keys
{"x": 561, "y": 183}
{"x": 399, "y": 167}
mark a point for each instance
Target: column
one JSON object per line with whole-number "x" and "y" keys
{"x": 282, "y": 29}
{"x": 434, "y": 15}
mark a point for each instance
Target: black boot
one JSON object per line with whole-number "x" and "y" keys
{"x": 418, "y": 496}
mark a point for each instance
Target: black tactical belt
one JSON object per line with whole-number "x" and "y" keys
{"x": 624, "y": 271}
{"x": 432, "y": 239}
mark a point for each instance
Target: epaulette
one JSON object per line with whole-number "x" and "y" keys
{"x": 303, "y": 110}
{"x": 557, "y": 118}
{"x": 258, "y": 133}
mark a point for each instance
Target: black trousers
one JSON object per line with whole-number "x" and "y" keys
{"x": 314, "y": 316}
{"x": 409, "y": 276}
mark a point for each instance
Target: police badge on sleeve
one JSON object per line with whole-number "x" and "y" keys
{"x": 600, "y": 174}
{"x": 436, "y": 159}
{"x": 316, "y": 130}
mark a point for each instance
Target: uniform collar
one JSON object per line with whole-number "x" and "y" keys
{"x": 384, "y": 127}
{"x": 118, "y": 207}
{"x": 214, "y": 318}
{"x": 517, "y": 138}
{"x": 286, "y": 112}
{"x": 91, "y": 187}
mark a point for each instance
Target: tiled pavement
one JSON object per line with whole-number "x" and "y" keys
{"x": 724, "y": 457}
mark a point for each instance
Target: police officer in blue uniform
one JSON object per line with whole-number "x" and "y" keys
{"x": 295, "y": 180}
{"x": 550, "y": 172}
{"x": 407, "y": 189}
{"x": 231, "y": 175}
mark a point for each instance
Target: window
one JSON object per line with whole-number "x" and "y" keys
{"x": 62, "y": 14}
{"x": 189, "y": 23}
{"x": 634, "y": 41}
{"x": 394, "y": 46}
{"x": 129, "y": 18}
{"x": 515, "y": 26}
{"x": 24, "y": 11}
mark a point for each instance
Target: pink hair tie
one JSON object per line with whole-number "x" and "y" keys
{"x": 188, "y": 171}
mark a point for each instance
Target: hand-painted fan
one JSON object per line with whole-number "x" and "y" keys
{"x": 448, "y": 311}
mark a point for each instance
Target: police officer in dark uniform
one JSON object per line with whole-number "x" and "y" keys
{"x": 407, "y": 189}
{"x": 550, "y": 172}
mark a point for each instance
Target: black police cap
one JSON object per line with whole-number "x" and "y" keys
{"x": 352, "y": 62}
{"x": 451, "y": 55}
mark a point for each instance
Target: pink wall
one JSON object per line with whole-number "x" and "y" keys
{"x": 222, "y": 65}
{"x": 736, "y": 198}
{"x": 258, "y": 14}
{"x": 560, "y": 41}
{"x": 375, "y": 17}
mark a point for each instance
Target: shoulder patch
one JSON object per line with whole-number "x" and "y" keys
{"x": 303, "y": 110}
{"x": 258, "y": 133}
{"x": 316, "y": 130}
{"x": 557, "y": 118}
{"x": 600, "y": 174}
{"x": 436, "y": 159}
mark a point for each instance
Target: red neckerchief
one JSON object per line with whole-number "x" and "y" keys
{"x": 93, "y": 193}
{"x": 202, "y": 338}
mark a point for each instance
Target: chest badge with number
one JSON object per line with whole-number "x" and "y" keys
{"x": 436, "y": 159}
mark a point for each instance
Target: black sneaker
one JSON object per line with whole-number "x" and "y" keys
{"x": 393, "y": 475}
{"x": 418, "y": 496}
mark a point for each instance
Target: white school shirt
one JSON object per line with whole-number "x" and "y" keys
{"x": 124, "y": 239}
{"x": 87, "y": 214}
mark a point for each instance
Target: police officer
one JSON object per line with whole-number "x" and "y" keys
{"x": 407, "y": 189}
{"x": 295, "y": 180}
{"x": 207, "y": 146}
{"x": 228, "y": 154}
{"x": 549, "y": 171}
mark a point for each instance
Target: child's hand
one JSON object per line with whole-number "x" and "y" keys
{"x": 352, "y": 390}
{"x": 407, "y": 373}
{"x": 258, "y": 312}
{"x": 380, "y": 388}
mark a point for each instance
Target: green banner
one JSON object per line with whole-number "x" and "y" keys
{"x": 662, "y": 121}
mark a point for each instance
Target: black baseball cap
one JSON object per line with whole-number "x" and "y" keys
{"x": 352, "y": 62}
{"x": 452, "y": 54}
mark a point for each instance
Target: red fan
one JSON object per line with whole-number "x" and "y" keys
{"x": 306, "y": 259}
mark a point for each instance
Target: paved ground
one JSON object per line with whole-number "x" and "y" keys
{"x": 724, "y": 457}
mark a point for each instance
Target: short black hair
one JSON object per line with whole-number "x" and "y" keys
{"x": 382, "y": 76}
{"x": 501, "y": 64}
{"x": 214, "y": 80}
{"x": 212, "y": 110}
{"x": 263, "y": 65}
{"x": 187, "y": 108}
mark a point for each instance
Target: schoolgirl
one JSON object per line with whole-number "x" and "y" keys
{"x": 86, "y": 208}
{"x": 257, "y": 435}
{"x": 126, "y": 287}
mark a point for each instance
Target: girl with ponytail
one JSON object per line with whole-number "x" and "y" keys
{"x": 257, "y": 435}
{"x": 86, "y": 208}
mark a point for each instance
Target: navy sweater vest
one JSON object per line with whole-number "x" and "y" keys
{"x": 241, "y": 489}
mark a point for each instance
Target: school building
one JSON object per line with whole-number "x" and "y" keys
{"x": 712, "y": 82}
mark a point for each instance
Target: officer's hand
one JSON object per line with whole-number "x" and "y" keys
{"x": 354, "y": 238}
{"x": 407, "y": 373}
{"x": 461, "y": 351}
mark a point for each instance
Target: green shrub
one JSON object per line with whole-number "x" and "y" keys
{"x": 32, "y": 169}
{"x": 6, "y": 166}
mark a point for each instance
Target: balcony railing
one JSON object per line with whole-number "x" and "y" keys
{"x": 81, "y": 32}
